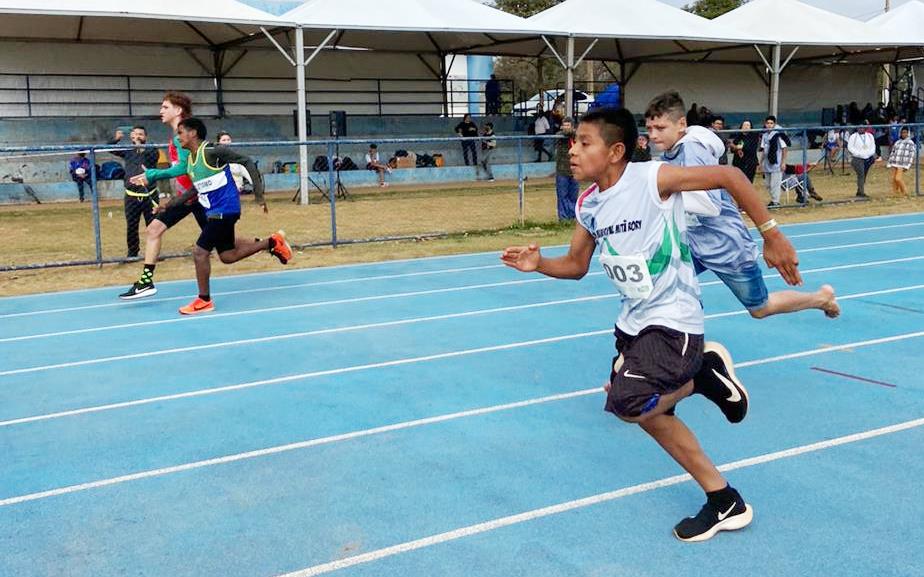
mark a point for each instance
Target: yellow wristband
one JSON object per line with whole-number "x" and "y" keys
{"x": 767, "y": 225}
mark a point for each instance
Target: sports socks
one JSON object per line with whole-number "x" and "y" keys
{"x": 147, "y": 275}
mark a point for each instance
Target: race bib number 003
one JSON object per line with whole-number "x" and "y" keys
{"x": 629, "y": 274}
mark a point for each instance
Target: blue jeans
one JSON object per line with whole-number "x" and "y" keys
{"x": 566, "y": 188}
{"x": 747, "y": 284}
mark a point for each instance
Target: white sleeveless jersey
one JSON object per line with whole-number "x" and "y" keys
{"x": 630, "y": 220}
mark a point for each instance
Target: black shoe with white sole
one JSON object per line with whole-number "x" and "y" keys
{"x": 138, "y": 291}
{"x": 715, "y": 517}
{"x": 717, "y": 382}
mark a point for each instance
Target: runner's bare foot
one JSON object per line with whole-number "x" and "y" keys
{"x": 830, "y": 306}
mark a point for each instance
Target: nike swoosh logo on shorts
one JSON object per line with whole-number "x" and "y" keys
{"x": 631, "y": 376}
{"x": 722, "y": 516}
{"x": 735, "y": 395}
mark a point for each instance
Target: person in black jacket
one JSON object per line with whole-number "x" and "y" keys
{"x": 468, "y": 129}
{"x": 139, "y": 200}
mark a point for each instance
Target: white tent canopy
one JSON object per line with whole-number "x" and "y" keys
{"x": 630, "y": 31}
{"x": 162, "y": 22}
{"x": 905, "y": 23}
{"x": 421, "y": 26}
{"x": 812, "y": 33}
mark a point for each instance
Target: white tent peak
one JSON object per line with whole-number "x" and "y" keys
{"x": 224, "y": 11}
{"x": 630, "y": 19}
{"x": 414, "y": 16}
{"x": 791, "y": 22}
{"x": 910, "y": 14}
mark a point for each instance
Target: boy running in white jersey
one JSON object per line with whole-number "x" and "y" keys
{"x": 636, "y": 218}
{"x": 719, "y": 239}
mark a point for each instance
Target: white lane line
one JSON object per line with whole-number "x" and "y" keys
{"x": 853, "y": 230}
{"x": 400, "y": 426}
{"x": 367, "y": 326}
{"x": 208, "y": 317}
{"x": 261, "y": 289}
{"x": 376, "y": 278}
{"x": 289, "y": 378}
{"x": 534, "y": 514}
{"x": 859, "y": 244}
{"x": 419, "y": 259}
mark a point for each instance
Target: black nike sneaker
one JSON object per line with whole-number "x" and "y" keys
{"x": 138, "y": 291}
{"x": 715, "y": 517}
{"x": 717, "y": 382}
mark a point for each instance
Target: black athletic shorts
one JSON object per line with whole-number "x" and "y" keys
{"x": 218, "y": 233}
{"x": 657, "y": 361}
{"x": 175, "y": 214}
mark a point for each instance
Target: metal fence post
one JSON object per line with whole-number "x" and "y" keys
{"x": 805, "y": 147}
{"x": 95, "y": 197}
{"x": 917, "y": 160}
{"x": 520, "y": 180}
{"x": 332, "y": 193}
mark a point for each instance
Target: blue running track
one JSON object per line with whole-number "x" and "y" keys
{"x": 444, "y": 417}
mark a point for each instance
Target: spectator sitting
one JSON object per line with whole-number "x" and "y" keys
{"x": 642, "y": 149}
{"x": 468, "y": 129}
{"x": 492, "y": 95}
{"x": 373, "y": 163}
{"x": 238, "y": 172}
{"x": 79, "y": 167}
{"x": 801, "y": 172}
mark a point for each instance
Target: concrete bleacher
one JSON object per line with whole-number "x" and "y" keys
{"x": 49, "y": 179}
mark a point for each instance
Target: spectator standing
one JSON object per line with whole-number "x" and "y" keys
{"x": 642, "y": 149}
{"x": 79, "y": 167}
{"x": 492, "y": 95}
{"x": 140, "y": 200}
{"x": 468, "y": 129}
{"x": 901, "y": 158}
{"x": 773, "y": 145}
{"x": 488, "y": 145}
{"x": 375, "y": 164}
{"x": 566, "y": 186}
{"x": 718, "y": 125}
{"x": 746, "y": 144}
{"x": 862, "y": 148}
{"x": 542, "y": 127}
{"x": 693, "y": 115}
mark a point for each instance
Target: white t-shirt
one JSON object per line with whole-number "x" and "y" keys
{"x": 542, "y": 125}
{"x": 629, "y": 219}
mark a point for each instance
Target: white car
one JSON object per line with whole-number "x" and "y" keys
{"x": 582, "y": 99}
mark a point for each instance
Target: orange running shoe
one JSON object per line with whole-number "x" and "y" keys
{"x": 198, "y": 306}
{"x": 281, "y": 248}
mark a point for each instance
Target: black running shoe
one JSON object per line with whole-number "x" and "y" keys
{"x": 712, "y": 518}
{"x": 717, "y": 382}
{"x": 138, "y": 291}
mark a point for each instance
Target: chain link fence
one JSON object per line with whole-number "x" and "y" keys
{"x": 417, "y": 188}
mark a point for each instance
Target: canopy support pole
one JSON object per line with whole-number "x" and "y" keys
{"x": 775, "y": 81}
{"x": 569, "y": 78}
{"x": 301, "y": 113}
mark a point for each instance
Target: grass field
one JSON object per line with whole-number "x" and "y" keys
{"x": 471, "y": 217}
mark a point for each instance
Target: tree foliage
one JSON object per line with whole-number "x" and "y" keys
{"x": 712, "y": 8}
{"x": 525, "y": 8}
